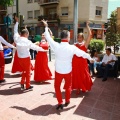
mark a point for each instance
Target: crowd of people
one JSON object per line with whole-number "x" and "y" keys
{"x": 71, "y": 61}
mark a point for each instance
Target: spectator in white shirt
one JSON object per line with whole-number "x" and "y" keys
{"x": 23, "y": 46}
{"x": 63, "y": 63}
{"x": 2, "y": 61}
{"x": 107, "y": 62}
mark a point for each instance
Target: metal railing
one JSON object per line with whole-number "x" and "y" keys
{"x": 48, "y": 1}
{"x": 48, "y": 17}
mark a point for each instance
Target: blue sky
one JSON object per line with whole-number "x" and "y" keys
{"x": 113, "y": 4}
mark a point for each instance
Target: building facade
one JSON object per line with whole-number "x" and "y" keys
{"x": 118, "y": 19}
{"x": 60, "y": 14}
{"x": 118, "y": 15}
{"x": 30, "y": 9}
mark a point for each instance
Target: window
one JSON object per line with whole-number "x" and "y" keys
{"x": 52, "y": 0}
{"x": 30, "y": 1}
{"x": 64, "y": 11}
{"x": 36, "y": 14}
{"x": 14, "y": 2}
{"x": 52, "y": 11}
{"x": 30, "y": 14}
{"x": 98, "y": 11}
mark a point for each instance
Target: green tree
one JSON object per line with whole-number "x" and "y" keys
{"x": 112, "y": 34}
{"x": 6, "y": 2}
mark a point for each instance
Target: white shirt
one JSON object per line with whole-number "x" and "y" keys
{"x": 2, "y": 40}
{"x": 107, "y": 58}
{"x": 64, "y": 53}
{"x": 23, "y": 45}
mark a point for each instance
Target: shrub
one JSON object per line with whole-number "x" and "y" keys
{"x": 96, "y": 44}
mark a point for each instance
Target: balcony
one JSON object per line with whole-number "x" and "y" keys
{"x": 48, "y": 2}
{"x": 53, "y": 17}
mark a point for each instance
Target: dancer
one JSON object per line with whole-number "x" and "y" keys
{"x": 16, "y": 68}
{"x": 63, "y": 65}
{"x": 2, "y": 61}
{"x": 23, "y": 45}
{"x": 81, "y": 79}
{"x": 42, "y": 71}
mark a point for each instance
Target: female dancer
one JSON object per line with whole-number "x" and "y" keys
{"x": 42, "y": 71}
{"x": 2, "y": 60}
{"x": 81, "y": 79}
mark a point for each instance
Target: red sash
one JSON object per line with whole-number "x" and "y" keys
{"x": 64, "y": 40}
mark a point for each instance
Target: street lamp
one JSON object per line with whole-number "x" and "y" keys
{"x": 17, "y": 8}
{"x": 75, "y": 20}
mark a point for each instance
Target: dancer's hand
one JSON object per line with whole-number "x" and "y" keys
{"x": 37, "y": 43}
{"x": 44, "y": 51}
{"x": 87, "y": 23}
{"x": 92, "y": 61}
{"x": 25, "y": 26}
{"x": 45, "y": 23}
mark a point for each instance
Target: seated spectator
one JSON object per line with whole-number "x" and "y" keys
{"x": 108, "y": 62}
{"x": 96, "y": 63}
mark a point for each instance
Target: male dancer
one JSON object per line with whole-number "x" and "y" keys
{"x": 63, "y": 65}
{"x": 2, "y": 61}
{"x": 23, "y": 45}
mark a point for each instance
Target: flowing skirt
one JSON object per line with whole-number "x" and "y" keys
{"x": 42, "y": 71}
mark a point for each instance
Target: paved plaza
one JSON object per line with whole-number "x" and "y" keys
{"x": 101, "y": 103}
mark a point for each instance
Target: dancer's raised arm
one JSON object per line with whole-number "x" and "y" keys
{"x": 87, "y": 41}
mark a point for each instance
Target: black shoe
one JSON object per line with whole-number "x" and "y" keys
{"x": 104, "y": 79}
{"x": 1, "y": 81}
{"x": 99, "y": 76}
{"x": 22, "y": 86}
{"x": 59, "y": 107}
{"x": 29, "y": 88}
{"x": 66, "y": 104}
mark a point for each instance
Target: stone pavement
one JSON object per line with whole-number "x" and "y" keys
{"x": 101, "y": 103}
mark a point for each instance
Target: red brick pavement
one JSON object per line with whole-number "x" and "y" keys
{"x": 101, "y": 103}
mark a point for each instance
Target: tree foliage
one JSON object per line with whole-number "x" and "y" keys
{"x": 6, "y": 2}
{"x": 112, "y": 34}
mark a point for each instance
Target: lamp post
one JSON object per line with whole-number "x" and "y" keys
{"x": 17, "y": 8}
{"x": 7, "y": 22}
{"x": 75, "y": 20}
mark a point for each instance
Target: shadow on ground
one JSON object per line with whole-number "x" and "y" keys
{"x": 41, "y": 110}
{"x": 12, "y": 76}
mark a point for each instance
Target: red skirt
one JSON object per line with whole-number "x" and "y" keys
{"x": 16, "y": 66}
{"x": 81, "y": 78}
{"x": 2, "y": 65}
{"x": 41, "y": 70}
